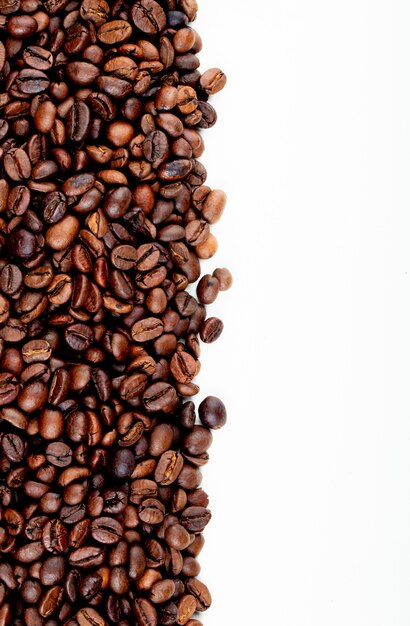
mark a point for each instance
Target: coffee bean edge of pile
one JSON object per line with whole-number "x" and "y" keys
{"x": 104, "y": 220}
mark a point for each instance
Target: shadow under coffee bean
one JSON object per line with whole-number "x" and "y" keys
{"x": 105, "y": 216}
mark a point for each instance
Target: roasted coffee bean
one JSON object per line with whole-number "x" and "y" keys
{"x": 156, "y": 148}
{"x": 161, "y": 439}
{"x": 147, "y": 329}
{"x": 54, "y": 207}
{"x": 78, "y": 121}
{"x": 90, "y": 586}
{"x": 160, "y": 397}
{"x": 62, "y": 234}
{"x": 224, "y": 278}
{"x": 21, "y": 26}
{"x": 9, "y": 6}
{"x": 79, "y": 337}
{"x": 52, "y": 570}
{"x": 123, "y": 463}
{"x": 54, "y": 536}
{"x": 19, "y": 200}
{"x": 11, "y": 279}
{"x": 114, "y": 32}
{"x": 90, "y": 617}
{"x": 13, "y": 447}
{"x": 38, "y": 58}
{"x": 31, "y": 81}
{"x": 177, "y": 537}
{"x": 162, "y": 591}
{"x": 96, "y": 11}
{"x": 106, "y": 530}
{"x": 87, "y": 557}
{"x": 200, "y": 592}
{"x": 17, "y": 164}
{"x": 82, "y": 73}
{"x": 197, "y": 232}
{"x": 211, "y": 329}
{"x": 145, "y": 612}
{"x": 195, "y": 518}
{"x": 148, "y": 16}
{"x": 59, "y": 454}
{"x": 183, "y": 367}
{"x": 186, "y": 608}
{"x": 9, "y": 389}
{"x": 169, "y": 467}
{"x": 105, "y": 217}
{"x": 212, "y": 81}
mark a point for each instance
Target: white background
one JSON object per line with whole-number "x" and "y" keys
{"x": 310, "y": 482}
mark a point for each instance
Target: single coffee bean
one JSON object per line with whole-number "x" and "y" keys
{"x": 212, "y": 81}
{"x": 207, "y": 289}
{"x": 9, "y": 388}
{"x": 200, "y": 592}
{"x": 38, "y": 58}
{"x": 90, "y": 617}
{"x": 78, "y": 121}
{"x": 59, "y": 454}
{"x": 148, "y": 16}
{"x": 11, "y": 279}
{"x": 54, "y": 207}
{"x": 186, "y": 608}
{"x": 96, "y": 11}
{"x": 78, "y": 185}
{"x": 144, "y": 612}
{"x": 19, "y": 200}
{"x": 160, "y": 397}
{"x": 87, "y": 557}
{"x": 183, "y": 367}
{"x": 120, "y": 133}
{"x": 147, "y": 329}
{"x": 156, "y": 148}
{"x": 114, "y": 32}
{"x": 79, "y": 337}
{"x": 90, "y": 586}
{"x": 13, "y": 447}
{"x": 123, "y": 463}
{"x": 17, "y": 164}
{"x": 21, "y": 26}
{"x": 62, "y": 234}
{"x": 9, "y": 6}
{"x": 52, "y": 570}
{"x": 124, "y": 257}
{"x": 106, "y": 530}
{"x": 211, "y": 329}
{"x": 82, "y": 73}
{"x": 224, "y": 278}
{"x": 177, "y": 537}
{"x": 54, "y": 536}
{"x": 175, "y": 170}
{"x": 162, "y": 591}
{"x": 169, "y": 467}
{"x": 30, "y": 81}
{"x": 197, "y": 232}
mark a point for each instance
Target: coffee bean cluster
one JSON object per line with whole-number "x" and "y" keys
{"x": 104, "y": 218}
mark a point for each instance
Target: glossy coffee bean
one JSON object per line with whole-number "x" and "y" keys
{"x": 224, "y": 277}
{"x": 105, "y": 217}
{"x": 211, "y": 329}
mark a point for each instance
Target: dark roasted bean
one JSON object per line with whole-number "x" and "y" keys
{"x": 212, "y": 412}
{"x": 148, "y": 16}
{"x": 104, "y": 220}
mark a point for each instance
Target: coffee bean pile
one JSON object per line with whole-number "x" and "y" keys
{"x": 104, "y": 217}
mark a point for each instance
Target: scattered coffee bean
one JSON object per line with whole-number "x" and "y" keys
{"x": 212, "y": 412}
{"x": 105, "y": 216}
